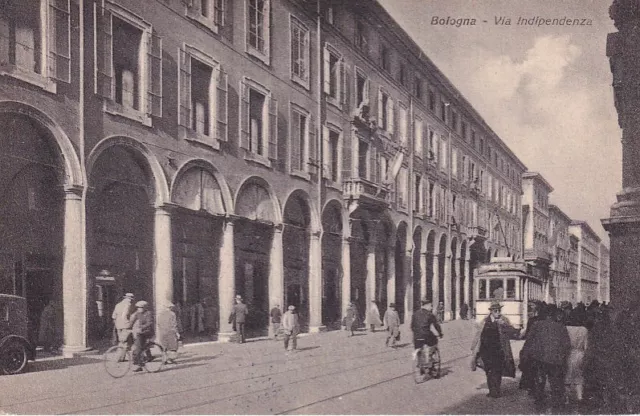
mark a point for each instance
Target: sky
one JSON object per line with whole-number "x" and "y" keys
{"x": 546, "y": 91}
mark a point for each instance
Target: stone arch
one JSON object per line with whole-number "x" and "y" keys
{"x": 419, "y": 280}
{"x": 333, "y": 230}
{"x": 255, "y": 201}
{"x": 314, "y": 221}
{"x": 331, "y": 209}
{"x": 74, "y": 176}
{"x": 161, "y": 188}
{"x": 225, "y": 194}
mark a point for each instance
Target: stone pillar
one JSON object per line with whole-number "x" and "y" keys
{"x": 435, "y": 282}
{"x": 74, "y": 274}
{"x": 391, "y": 275}
{"x": 467, "y": 282}
{"x": 447, "y": 286}
{"x": 315, "y": 284}
{"x": 458, "y": 274}
{"x": 370, "y": 284}
{"x": 346, "y": 275}
{"x": 276, "y": 272}
{"x": 163, "y": 264}
{"x": 423, "y": 276}
{"x": 226, "y": 281}
{"x": 408, "y": 288}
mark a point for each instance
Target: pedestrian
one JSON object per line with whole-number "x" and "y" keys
{"x": 276, "y": 319}
{"x": 548, "y": 345}
{"x": 49, "y": 334}
{"x": 440, "y": 312}
{"x": 239, "y": 317}
{"x": 168, "y": 332}
{"x": 392, "y": 325}
{"x": 492, "y": 345}
{"x": 373, "y": 316}
{"x": 122, "y": 322}
{"x": 464, "y": 311}
{"x": 350, "y": 319}
{"x": 291, "y": 328}
{"x": 578, "y": 335}
{"x": 537, "y": 311}
{"x": 143, "y": 330}
{"x": 421, "y": 323}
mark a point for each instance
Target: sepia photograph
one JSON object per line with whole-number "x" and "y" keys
{"x": 319, "y": 207}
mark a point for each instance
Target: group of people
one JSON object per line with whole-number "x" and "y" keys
{"x": 134, "y": 326}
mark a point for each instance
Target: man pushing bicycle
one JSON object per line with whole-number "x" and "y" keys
{"x": 421, "y": 323}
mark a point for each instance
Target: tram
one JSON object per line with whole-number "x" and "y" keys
{"x": 506, "y": 280}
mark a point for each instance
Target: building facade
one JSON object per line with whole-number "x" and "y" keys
{"x": 291, "y": 152}
{"x": 604, "y": 273}
{"x": 559, "y": 241}
{"x": 588, "y": 261}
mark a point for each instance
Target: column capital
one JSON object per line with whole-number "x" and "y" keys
{"x": 73, "y": 191}
{"x": 278, "y": 228}
{"x": 166, "y": 208}
{"x": 315, "y": 234}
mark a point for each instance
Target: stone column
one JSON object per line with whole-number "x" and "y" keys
{"x": 276, "y": 272}
{"x": 467, "y": 282}
{"x": 370, "y": 284}
{"x": 391, "y": 275}
{"x": 408, "y": 289}
{"x": 447, "y": 286}
{"x": 315, "y": 283}
{"x": 226, "y": 281}
{"x": 423, "y": 276}
{"x": 435, "y": 282}
{"x": 346, "y": 275}
{"x": 163, "y": 264}
{"x": 458, "y": 274}
{"x": 74, "y": 274}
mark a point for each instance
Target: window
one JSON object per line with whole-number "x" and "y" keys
{"x": 362, "y": 89}
{"x": 258, "y": 122}
{"x": 329, "y": 14}
{"x": 481, "y": 146}
{"x": 363, "y": 157}
{"x": 464, "y": 130}
{"x": 444, "y": 155}
{"x": 454, "y": 120}
{"x": 496, "y": 288}
{"x": 418, "y": 195}
{"x": 258, "y": 29}
{"x": 334, "y": 76}
{"x": 361, "y": 37}
{"x": 402, "y": 74}
{"x": 203, "y": 98}
{"x": 418, "y": 88}
{"x": 32, "y": 48}
{"x": 443, "y": 111}
{"x": 331, "y": 149}
{"x": 417, "y": 137}
{"x": 128, "y": 64}
{"x": 209, "y": 13}
{"x": 432, "y": 200}
{"x": 432, "y": 101}
{"x": 385, "y": 58}
{"x": 300, "y": 133}
{"x": 385, "y": 111}
{"x": 402, "y": 187}
{"x": 299, "y": 53}
{"x": 433, "y": 146}
{"x": 473, "y": 139}
{"x": 482, "y": 289}
{"x": 454, "y": 162}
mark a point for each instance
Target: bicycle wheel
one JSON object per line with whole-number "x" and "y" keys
{"x": 435, "y": 364}
{"x": 157, "y": 358}
{"x": 419, "y": 373}
{"x": 117, "y": 361}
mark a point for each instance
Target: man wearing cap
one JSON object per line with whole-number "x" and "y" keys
{"x": 421, "y": 322}
{"x": 142, "y": 328}
{"x": 122, "y": 321}
{"x": 291, "y": 328}
{"x": 391, "y": 322}
{"x": 492, "y": 344}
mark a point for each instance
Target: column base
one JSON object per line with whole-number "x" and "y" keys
{"x": 71, "y": 351}
{"x": 448, "y": 316}
{"x": 227, "y": 336}
{"x": 317, "y": 329}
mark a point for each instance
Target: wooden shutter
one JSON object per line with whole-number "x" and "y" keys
{"x": 219, "y": 10}
{"x": 327, "y": 71}
{"x": 379, "y": 108}
{"x": 326, "y": 153}
{"x": 343, "y": 83}
{"x": 266, "y": 13}
{"x": 347, "y": 164}
{"x": 184, "y": 115}
{"x": 367, "y": 93}
{"x": 59, "y": 42}
{"x": 390, "y": 116}
{"x": 104, "y": 52}
{"x": 245, "y": 138}
{"x": 273, "y": 128}
{"x": 222, "y": 113}
{"x": 294, "y": 138}
{"x": 312, "y": 143}
{"x": 154, "y": 71}
{"x": 373, "y": 163}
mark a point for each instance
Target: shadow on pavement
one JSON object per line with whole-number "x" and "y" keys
{"x": 57, "y": 364}
{"x": 512, "y": 402}
{"x": 308, "y": 348}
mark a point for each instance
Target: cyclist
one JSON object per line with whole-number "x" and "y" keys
{"x": 421, "y": 323}
{"x": 142, "y": 321}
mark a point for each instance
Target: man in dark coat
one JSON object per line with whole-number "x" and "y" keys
{"x": 143, "y": 330}
{"x": 492, "y": 344}
{"x": 529, "y": 375}
{"x": 421, "y": 322}
{"x": 276, "y": 320}
{"x": 548, "y": 345}
{"x": 239, "y": 317}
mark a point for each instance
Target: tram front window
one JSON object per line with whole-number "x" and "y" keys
{"x": 496, "y": 288}
{"x": 511, "y": 288}
{"x": 482, "y": 289}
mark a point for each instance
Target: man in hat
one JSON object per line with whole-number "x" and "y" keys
{"x": 239, "y": 317}
{"x": 291, "y": 328}
{"x": 492, "y": 344}
{"x": 122, "y": 322}
{"x": 276, "y": 320}
{"x": 143, "y": 331}
{"x": 423, "y": 336}
{"x": 391, "y": 322}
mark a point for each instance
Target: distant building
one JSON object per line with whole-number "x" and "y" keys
{"x": 588, "y": 261}
{"x": 604, "y": 273}
{"x": 560, "y": 245}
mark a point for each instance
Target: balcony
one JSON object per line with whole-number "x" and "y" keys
{"x": 360, "y": 191}
{"x": 537, "y": 255}
{"x": 478, "y": 232}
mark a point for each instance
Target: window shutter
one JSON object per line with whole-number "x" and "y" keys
{"x": 379, "y": 108}
{"x": 367, "y": 93}
{"x": 343, "y": 83}
{"x": 244, "y": 115}
{"x": 266, "y": 12}
{"x": 390, "y": 116}
{"x": 294, "y": 138}
{"x": 312, "y": 143}
{"x": 184, "y": 116}
{"x": 154, "y": 81}
{"x": 221, "y": 104}
{"x": 327, "y": 71}
{"x": 326, "y": 152}
{"x": 273, "y": 128}
{"x": 193, "y": 8}
{"x": 347, "y": 165}
{"x": 219, "y": 12}
{"x": 104, "y": 52}
{"x": 425, "y": 145}
{"x": 59, "y": 44}
{"x": 372, "y": 163}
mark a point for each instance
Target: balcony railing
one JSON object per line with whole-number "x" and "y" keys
{"x": 366, "y": 191}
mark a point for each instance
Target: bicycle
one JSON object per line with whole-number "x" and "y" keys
{"x": 117, "y": 362}
{"x": 420, "y": 368}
